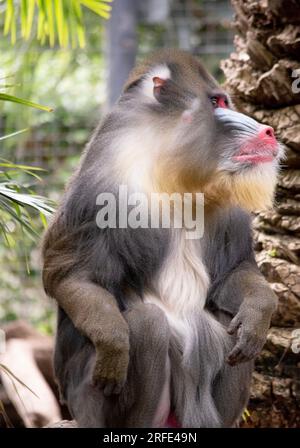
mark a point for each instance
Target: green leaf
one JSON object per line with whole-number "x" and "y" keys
{"x": 13, "y": 134}
{"x": 79, "y": 26}
{"x": 59, "y": 13}
{"x": 7, "y": 164}
{"x": 99, "y": 8}
{"x": 44, "y": 220}
{"x": 50, "y": 18}
{"x": 15, "y": 99}
{"x": 22, "y": 221}
{"x": 37, "y": 202}
{"x": 41, "y": 22}
{"x": 76, "y": 26}
{"x": 29, "y": 18}
{"x": 10, "y": 21}
{"x": 60, "y": 19}
{"x": 23, "y": 17}
{"x": 14, "y": 168}
{"x": 66, "y": 31}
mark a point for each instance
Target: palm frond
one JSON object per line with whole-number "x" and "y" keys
{"x": 15, "y": 206}
{"x": 39, "y": 203}
{"x": 15, "y": 99}
{"x": 16, "y": 200}
{"x": 52, "y": 20}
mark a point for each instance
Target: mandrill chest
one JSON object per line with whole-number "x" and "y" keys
{"x": 182, "y": 283}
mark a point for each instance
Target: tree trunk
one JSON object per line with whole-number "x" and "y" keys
{"x": 262, "y": 80}
{"x": 122, "y": 45}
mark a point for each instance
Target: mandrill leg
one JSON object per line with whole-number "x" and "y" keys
{"x": 144, "y": 400}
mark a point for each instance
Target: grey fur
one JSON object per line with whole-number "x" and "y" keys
{"x": 135, "y": 406}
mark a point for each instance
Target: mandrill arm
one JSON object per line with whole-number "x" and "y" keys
{"x": 246, "y": 294}
{"x": 95, "y": 313}
{"x": 92, "y": 309}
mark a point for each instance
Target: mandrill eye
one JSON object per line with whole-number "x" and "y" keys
{"x": 219, "y": 101}
{"x": 214, "y": 101}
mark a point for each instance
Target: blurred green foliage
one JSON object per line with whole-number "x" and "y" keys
{"x": 71, "y": 81}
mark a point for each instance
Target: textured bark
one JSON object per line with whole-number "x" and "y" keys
{"x": 275, "y": 391}
{"x": 260, "y": 76}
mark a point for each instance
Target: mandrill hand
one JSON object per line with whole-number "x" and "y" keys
{"x": 251, "y": 325}
{"x": 111, "y": 364}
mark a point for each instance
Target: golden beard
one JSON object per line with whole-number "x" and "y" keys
{"x": 252, "y": 189}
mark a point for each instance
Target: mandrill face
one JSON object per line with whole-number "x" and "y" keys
{"x": 243, "y": 142}
{"x": 194, "y": 141}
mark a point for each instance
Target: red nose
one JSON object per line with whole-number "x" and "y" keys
{"x": 267, "y": 133}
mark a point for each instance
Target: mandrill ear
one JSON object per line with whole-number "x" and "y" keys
{"x": 158, "y": 85}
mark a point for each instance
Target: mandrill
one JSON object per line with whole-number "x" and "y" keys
{"x": 155, "y": 328}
